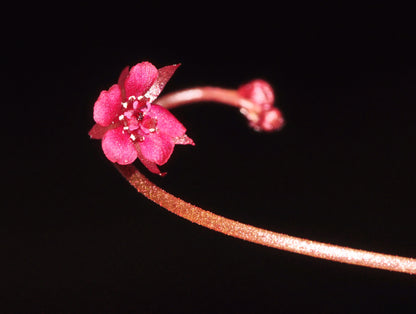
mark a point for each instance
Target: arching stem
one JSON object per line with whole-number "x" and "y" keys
{"x": 261, "y": 236}
{"x": 217, "y": 94}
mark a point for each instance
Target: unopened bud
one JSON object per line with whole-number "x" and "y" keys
{"x": 263, "y": 116}
{"x": 271, "y": 120}
{"x": 259, "y": 92}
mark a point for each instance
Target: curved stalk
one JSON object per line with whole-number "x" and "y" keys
{"x": 217, "y": 94}
{"x": 261, "y": 236}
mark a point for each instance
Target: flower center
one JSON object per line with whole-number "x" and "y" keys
{"x": 134, "y": 116}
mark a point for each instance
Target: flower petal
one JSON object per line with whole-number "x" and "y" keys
{"x": 166, "y": 121}
{"x": 140, "y": 79}
{"x": 164, "y": 75}
{"x": 118, "y": 147}
{"x": 157, "y": 147}
{"x": 107, "y": 106}
{"x": 97, "y": 131}
{"x": 151, "y": 166}
{"x": 121, "y": 80}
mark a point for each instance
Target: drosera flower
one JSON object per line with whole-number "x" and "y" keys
{"x": 131, "y": 125}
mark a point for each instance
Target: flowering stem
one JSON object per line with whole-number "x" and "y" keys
{"x": 244, "y": 231}
{"x": 261, "y": 236}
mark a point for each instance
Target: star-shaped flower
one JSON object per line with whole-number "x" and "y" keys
{"x": 129, "y": 123}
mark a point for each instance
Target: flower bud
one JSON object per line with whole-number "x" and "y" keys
{"x": 270, "y": 120}
{"x": 262, "y": 115}
{"x": 259, "y": 92}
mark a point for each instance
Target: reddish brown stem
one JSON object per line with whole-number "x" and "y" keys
{"x": 262, "y": 236}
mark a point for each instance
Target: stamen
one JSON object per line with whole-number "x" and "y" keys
{"x": 148, "y": 95}
{"x": 132, "y": 137}
{"x": 124, "y": 104}
{"x": 121, "y": 117}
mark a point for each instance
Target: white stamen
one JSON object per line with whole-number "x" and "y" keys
{"x": 121, "y": 117}
{"x": 140, "y": 97}
{"x": 132, "y": 98}
{"x": 132, "y": 137}
{"x": 126, "y": 128}
{"x": 124, "y": 104}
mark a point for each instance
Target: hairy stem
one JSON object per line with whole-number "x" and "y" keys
{"x": 261, "y": 236}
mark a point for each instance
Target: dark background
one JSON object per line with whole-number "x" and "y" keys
{"x": 75, "y": 236}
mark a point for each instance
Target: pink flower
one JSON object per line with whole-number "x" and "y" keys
{"x": 129, "y": 123}
{"x": 263, "y": 116}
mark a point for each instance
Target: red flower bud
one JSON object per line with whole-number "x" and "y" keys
{"x": 259, "y": 92}
{"x": 261, "y": 114}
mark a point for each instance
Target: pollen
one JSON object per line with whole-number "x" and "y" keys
{"x": 121, "y": 117}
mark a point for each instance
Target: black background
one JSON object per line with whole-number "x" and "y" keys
{"x": 75, "y": 236}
